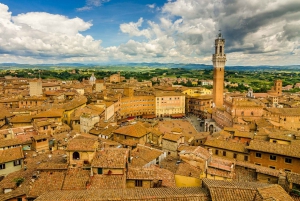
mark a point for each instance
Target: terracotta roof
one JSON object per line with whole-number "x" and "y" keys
{"x": 137, "y": 194}
{"x": 107, "y": 182}
{"x": 234, "y": 191}
{"x": 152, "y": 173}
{"x": 171, "y": 137}
{"x": 188, "y": 170}
{"x": 195, "y": 150}
{"x": 284, "y": 111}
{"x": 143, "y": 155}
{"x": 258, "y": 168}
{"x": 50, "y": 84}
{"x": 82, "y": 144}
{"x": 50, "y": 113}
{"x": 293, "y": 177}
{"x": 274, "y": 193}
{"x": 137, "y": 130}
{"x": 21, "y": 119}
{"x": 4, "y": 113}
{"x": 42, "y": 123}
{"x": 244, "y": 134}
{"x": 176, "y": 130}
{"x": 111, "y": 158}
{"x": 76, "y": 102}
{"x": 10, "y": 142}
{"x": 47, "y": 181}
{"x": 11, "y": 154}
{"x": 154, "y": 131}
{"x": 76, "y": 179}
{"x": 226, "y": 144}
{"x": 281, "y": 136}
{"x": 39, "y": 137}
{"x": 275, "y": 148}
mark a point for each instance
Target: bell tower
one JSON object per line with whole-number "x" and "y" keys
{"x": 218, "y": 59}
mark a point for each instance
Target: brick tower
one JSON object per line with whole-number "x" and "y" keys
{"x": 218, "y": 59}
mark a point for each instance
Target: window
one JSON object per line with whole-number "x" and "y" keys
{"x": 138, "y": 183}
{"x": 242, "y": 113}
{"x": 17, "y": 162}
{"x": 2, "y": 166}
{"x": 272, "y": 167}
{"x": 245, "y": 158}
{"x": 258, "y": 155}
{"x": 217, "y": 152}
{"x": 234, "y": 155}
{"x": 100, "y": 170}
{"x": 287, "y": 170}
{"x": 76, "y": 156}
{"x": 288, "y": 160}
{"x": 273, "y": 157}
{"x": 19, "y": 199}
{"x": 258, "y": 164}
{"x": 224, "y": 153}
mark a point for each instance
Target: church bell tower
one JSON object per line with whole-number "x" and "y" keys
{"x": 218, "y": 59}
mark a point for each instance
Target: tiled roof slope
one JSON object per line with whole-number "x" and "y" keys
{"x": 135, "y": 130}
{"x": 226, "y": 144}
{"x": 111, "y": 158}
{"x": 11, "y": 154}
{"x": 273, "y": 193}
{"x": 76, "y": 179}
{"x": 233, "y": 191}
{"x": 158, "y": 194}
{"x": 82, "y": 144}
{"x": 280, "y": 149}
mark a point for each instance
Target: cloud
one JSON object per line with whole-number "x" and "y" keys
{"x": 44, "y": 36}
{"x": 256, "y": 32}
{"x": 133, "y": 29}
{"x": 90, "y": 4}
{"x": 262, "y": 29}
{"x": 151, "y": 5}
{"x": 46, "y": 22}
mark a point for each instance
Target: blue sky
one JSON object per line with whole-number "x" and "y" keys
{"x": 179, "y": 31}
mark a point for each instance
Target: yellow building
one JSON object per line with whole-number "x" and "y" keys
{"x": 197, "y": 91}
{"x": 11, "y": 160}
{"x": 136, "y": 105}
{"x": 71, "y": 106}
{"x": 81, "y": 151}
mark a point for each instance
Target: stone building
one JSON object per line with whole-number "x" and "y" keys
{"x": 35, "y": 87}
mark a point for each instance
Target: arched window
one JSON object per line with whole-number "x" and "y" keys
{"x": 220, "y": 49}
{"x": 76, "y": 156}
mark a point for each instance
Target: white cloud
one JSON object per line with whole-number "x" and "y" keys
{"x": 44, "y": 36}
{"x": 90, "y": 4}
{"x": 151, "y": 5}
{"x": 46, "y": 22}
{"x": 133, "y": 29}
{"x": 256, "y": 33}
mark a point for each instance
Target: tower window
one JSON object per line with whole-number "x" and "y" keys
{"x": 220, "y": 49}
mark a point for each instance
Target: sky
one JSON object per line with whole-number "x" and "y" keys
{"x": 257, "y": 32}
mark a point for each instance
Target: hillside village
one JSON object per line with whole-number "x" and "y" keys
{"x": 120, "y": 139}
